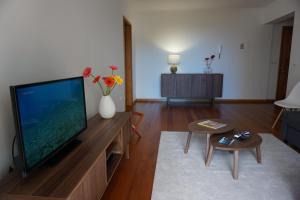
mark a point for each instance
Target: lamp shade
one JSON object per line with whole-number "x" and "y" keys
{"x": 174, "y": 59}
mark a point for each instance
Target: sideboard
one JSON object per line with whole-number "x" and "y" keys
{"x": 196, "y": 86}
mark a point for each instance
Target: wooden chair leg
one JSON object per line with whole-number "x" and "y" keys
{"x": 127, "y": 155}
{"x": 277, "y": 118}
{"x": 135, "y": 131}
{"x": 135, "y": 126}
{"x": 138, "y": 133}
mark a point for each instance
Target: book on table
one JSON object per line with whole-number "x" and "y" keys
{"x": 226, "y": 141}
{"x": 212, "y": 124}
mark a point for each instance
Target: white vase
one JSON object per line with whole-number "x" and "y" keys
{"x": 107, "y": 107}
{"x": 208, "y": 70}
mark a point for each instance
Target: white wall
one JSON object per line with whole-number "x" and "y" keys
{"x": 276, "y": 10}
{"x": 194, "y": 34}
{"x": 52, "y": 39}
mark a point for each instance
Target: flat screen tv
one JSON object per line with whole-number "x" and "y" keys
{"x": 48, "y": 116}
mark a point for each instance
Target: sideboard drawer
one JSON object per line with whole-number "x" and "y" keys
{"x": 183, "y": 85}
{"x": 199, "y": 86}
{"x": 168, "y": 85}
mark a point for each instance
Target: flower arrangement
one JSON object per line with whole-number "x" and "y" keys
{"x": 208, "y": 61}
{"x": 107, "y": 83}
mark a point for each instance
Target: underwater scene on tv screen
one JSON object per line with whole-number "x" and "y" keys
{"x": 50, "y": 114}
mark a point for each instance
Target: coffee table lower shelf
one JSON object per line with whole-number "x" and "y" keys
{"x": 253, "y": 142}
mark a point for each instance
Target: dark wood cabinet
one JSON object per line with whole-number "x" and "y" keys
{"x": 217, "y": 85}
{"x": 169, "y": 83}
{"x": 183, "y": 86}
{"x": 200, "y": 86}
{"x": 199, "y": 80}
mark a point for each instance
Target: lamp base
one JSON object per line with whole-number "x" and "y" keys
{"x": 173, "y": 69}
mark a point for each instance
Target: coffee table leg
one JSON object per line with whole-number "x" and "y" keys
{"x": 235, "y": 164}
{"x": 187, "y": 146}
{"x": 209, "y": 157}
{"x": 258, "y": 154}
{"x": 207, "y": 145}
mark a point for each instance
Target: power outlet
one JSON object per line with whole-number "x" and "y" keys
{"x": 242, "y": 46}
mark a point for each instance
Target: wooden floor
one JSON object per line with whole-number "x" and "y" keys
{"x": 134, "y": 178}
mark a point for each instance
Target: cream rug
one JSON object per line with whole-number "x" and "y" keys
{"x": 180, "y": 176}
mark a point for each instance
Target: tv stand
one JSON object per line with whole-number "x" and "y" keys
{"x": 57, "y": 158}
{"x": 84, "y": 172}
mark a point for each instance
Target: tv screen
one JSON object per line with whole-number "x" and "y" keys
{"x": 48, "y": 115}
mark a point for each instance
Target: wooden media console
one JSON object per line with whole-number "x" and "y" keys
{"x": 85, "y": 172}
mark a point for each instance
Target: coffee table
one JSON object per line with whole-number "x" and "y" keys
{"x": 198, "y": 129}
{"x": 253, "y": 142}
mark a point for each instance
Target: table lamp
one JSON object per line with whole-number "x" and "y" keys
{"x": 174, "y": 61}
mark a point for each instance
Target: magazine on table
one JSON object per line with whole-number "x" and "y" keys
{"x": 212, "y": 124}
{"x": 226, "y": 141}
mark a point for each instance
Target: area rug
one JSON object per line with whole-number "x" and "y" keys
{"x": 180, "y": 176}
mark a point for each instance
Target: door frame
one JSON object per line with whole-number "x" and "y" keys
{"x": 127, "y": 31}
{"x": 281, "y": 60}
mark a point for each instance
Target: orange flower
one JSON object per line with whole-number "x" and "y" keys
{"x": 109, "y": 81}
{"x": 96, "y": 79}
{"x": 87, "y": 72}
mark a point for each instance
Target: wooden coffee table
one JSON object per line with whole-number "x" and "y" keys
{"x": 253, "y": 142}
{"x": 198, "y": 129}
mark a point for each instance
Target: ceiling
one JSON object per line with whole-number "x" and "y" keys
{"x": 195, "y": 4}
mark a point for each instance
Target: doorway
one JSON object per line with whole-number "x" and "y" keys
{"x": 127, "y": 28}
{"x": 284, "y": 61}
